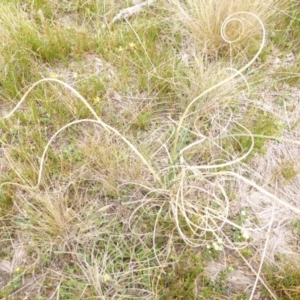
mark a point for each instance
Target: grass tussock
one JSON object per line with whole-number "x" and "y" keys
{"x": 224, "y": 29}
{"x": 135, "y": 159}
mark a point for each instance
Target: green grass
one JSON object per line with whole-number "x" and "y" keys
{"x": 135, "y": 200}
{"x": 284, "y": 278}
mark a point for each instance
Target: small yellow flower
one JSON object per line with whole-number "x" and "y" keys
{"x": 96, "y": 100}
{"x": 230, "y": 268}
{"x": 120, "y": 49}
{"x": 132, "y": 45}
{"x": 53, "y": 75}
{"x": 106, "y": 278}
{"x": 17, "y": 270}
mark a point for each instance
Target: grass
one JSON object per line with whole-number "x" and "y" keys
{"x": 133, "y": 153}
{"x": 284, "y": 279}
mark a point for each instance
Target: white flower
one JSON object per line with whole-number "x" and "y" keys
{"x": 217, "y": 246}
{"x": 245, "y": 234}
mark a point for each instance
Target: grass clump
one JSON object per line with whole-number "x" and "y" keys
{"x": 258, "y": 123}
{"x": 286, "y": 31}
{"x": 284, "y": 280}
{"x": 182, "y": 279}
{"x": 287, "y": 170}
{"x": 227, "y": 29}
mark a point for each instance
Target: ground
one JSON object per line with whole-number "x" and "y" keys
{"x": 149, "y": 150}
